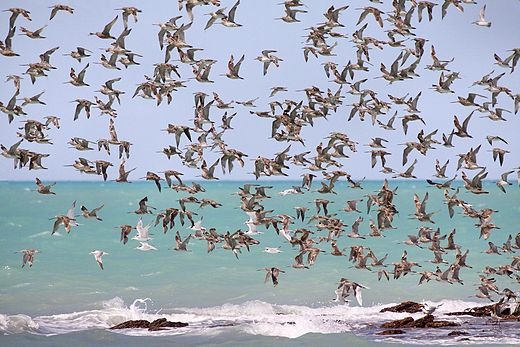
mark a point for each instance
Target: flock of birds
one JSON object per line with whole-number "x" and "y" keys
{"x": 195, "y": 143}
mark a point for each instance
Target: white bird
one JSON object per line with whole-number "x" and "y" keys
{"x": 272, "y": 250}
{"x": 344, "y": 288}
{"x": 143, "y": 233}
{"x": 98, "y": 256}
{"x": 481, "y": 21}
{"x": 341, "y": 295}
{"x": 252, "y": 229}
{"x": 429, "y": 309}
{"x": 252, "y": 217}
{"x": 145, "y": 246}
{"x": 286, "y": 234}
{"x": 198, "y": 228}
{"x": 502, "y": 182}
{"x": 293, "y": 190}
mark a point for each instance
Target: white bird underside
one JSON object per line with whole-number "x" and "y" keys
{"x": 145, "y": 246}
{"x": 143, "y": 232}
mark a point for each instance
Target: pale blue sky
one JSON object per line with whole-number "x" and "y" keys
{"x": 139, "y": 121}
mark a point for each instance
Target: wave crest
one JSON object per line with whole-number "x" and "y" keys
{"x": 255, "y": 318}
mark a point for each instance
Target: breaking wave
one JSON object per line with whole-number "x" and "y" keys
{"x": 264, "y": 319}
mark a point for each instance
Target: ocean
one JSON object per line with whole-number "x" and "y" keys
{"x": 66, "y": 298}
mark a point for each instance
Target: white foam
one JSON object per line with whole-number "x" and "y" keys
{"x": 21, "y": 285}
{"x": 155, "y": 273}
{"x": 251, "y": 317}
{"x": 43, "y": 233}
{"x": 16, "y": 324}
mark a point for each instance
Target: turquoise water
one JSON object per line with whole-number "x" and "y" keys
{"x": 223, "y": 298}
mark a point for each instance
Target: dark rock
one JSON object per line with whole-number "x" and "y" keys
{"x": 156, "y": 328}
{"x": 481, "y": 311}
{"x": 422, "y": 322}
{"x": 458, "y": 333}
{"x": 509, "y": 318}
{"x": 486, "y": 311}
{"x": 158, "y": 324}
{"x": 441, "y": 324}
{"x": 133, "y": 324}
{"x": 392, "y": 332}
{"x": 400, "y": 323}
{"x": 220, "y": 325}
{"x": 407, "y": 306}
{"x": 427, "y": 321}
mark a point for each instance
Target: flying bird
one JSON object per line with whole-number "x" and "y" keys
{"x": 98, "y": 257}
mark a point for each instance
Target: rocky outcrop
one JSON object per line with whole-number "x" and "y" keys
{"x": 158, "y": 324}
{"x": 400, "y": 323}
{"x": 458, "y": 333}
{"x": 392, "y": 332}
{"x": 133, "y": 324}
{"x": 427, "y": 321}
{"x": 422, "y": 322}
{"x": 407, "y": 306}
{"x": 161, "y": 324}
{"x": 482, "y": 311}
{"x": 441, "y": 324}
{"x": 486, "y": 311}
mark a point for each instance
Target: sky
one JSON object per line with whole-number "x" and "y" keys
{"x": 140, "y": 121}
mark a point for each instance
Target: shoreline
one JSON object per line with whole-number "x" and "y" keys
{"x": 404, "y": 323}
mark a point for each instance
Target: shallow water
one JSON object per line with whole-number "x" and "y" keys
{"x": 66, "y": 295}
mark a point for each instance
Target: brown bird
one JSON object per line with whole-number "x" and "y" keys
{"x": 101, "y": 168}
{"x": 86, "y": 213}
{"x": 499, "y": 153}
{"x": 207, "y": 173}
{"x": 60, "y": 7}
{"x": 15, "y": 12}
{"x": 33, "y": 34}
{"x": 462, "y": 130}
{"x": 233, "y": 68}
{"x": 79, "y": 53}
{"x": 169, "y": 173}
{"x": 105, "y": 34}
{"x": 127, "y": 12}
{"x": 123, "y": 174}
{"x": 68, "y": 220}
{"x": 28, "y": 256}
{"x": 180, "y": 244}
{"x": 125, "y": 231}
{"x": 152, "y": 176}
{"x": 272, "y": 275}
{"x": 44, "y": 189}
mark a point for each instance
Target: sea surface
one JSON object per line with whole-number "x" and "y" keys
{"x": 65, "y": 298}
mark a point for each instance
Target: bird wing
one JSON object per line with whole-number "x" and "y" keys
{"x": 94, "y": 211}
{"x": 266, "y": 66}
{"x": 56, "y": 225}
{"x": 231, "y": 13}
{"x": 70, "y": 212}
{"x": 106, "y": 29}
{"x": 482, "y": 14}
{"x": 359, "y": 297}
{"x": 267, "y": 275}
